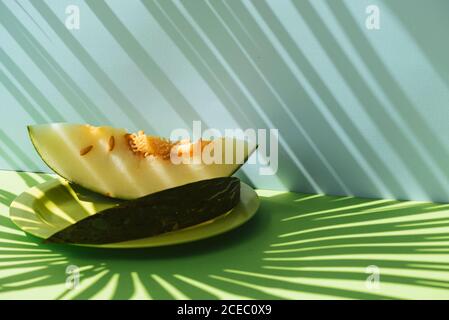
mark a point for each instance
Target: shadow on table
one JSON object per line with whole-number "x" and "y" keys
{"x": 297, "y": 246}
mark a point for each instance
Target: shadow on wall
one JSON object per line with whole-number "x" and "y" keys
{"x": 230, "y": 45}
{"x": 427, "y": 33}
{"x": 298, "y": 246}
{"x": 267, "y": 99}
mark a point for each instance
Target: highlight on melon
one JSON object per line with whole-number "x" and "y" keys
{"x": 119, "y": 164}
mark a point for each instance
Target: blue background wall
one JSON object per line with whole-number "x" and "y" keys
{"x": 360, "y": 111}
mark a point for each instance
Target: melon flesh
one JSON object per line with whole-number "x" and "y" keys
{"x": 82, "y": 154}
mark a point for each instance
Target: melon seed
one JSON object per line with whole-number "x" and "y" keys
{"x": 111, "y": 143}
{"x": 85, "y": 150}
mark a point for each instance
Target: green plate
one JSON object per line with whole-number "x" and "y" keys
{"x": 52, "y": 206}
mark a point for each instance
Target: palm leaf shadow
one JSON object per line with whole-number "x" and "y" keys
{"x": 248, "y": 262}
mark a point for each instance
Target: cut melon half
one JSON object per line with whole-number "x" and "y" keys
{"x": 121, "y": 165}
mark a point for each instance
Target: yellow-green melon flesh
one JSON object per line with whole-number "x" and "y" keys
{"x": 120, "y": 173}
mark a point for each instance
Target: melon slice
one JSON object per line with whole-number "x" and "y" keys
{"x": 122, "y": 165}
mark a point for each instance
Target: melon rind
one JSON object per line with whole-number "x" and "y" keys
{"x": 166, "y": 211}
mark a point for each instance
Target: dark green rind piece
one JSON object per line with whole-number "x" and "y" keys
{"x": 157, "y": 213}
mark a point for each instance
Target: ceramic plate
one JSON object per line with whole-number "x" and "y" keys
{"x": 50, "y": 207}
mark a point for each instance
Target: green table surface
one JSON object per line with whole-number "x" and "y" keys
{"x": 298, "y": 246}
